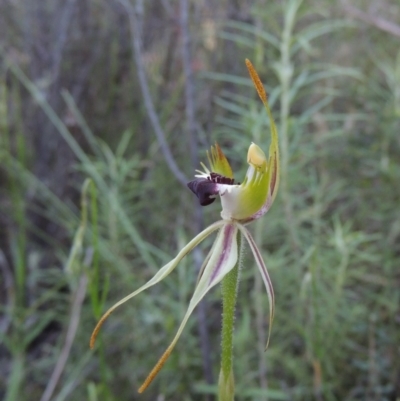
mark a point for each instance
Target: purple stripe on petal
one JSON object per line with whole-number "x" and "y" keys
{"x": 229, "y": 229}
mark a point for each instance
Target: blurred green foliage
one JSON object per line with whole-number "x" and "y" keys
{"x": 71, "y": 108}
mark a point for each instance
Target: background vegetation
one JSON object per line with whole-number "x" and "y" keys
{"x": 131, "y": 94}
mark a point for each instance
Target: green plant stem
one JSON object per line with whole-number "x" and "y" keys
{"x": 229, "y": 295}
{"x": 285, "y": 76}
{"x": 16, "y": 192}
{"x": 16, "y": 376}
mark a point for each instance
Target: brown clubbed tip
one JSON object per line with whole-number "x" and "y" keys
{"x": 256, "y": 81}
{"x": 155, "y": 370}
{"x": 93, "y": 337}
{"x": 97, "y": 328}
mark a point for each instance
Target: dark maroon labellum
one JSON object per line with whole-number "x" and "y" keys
{"x": 220, "y": 179}
{"x": 206, "y": 189}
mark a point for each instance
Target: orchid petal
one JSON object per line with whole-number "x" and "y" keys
{"x": 264, "y": 275}
{"x": 218, "y": 162}
{"x": 221, "y": 262}
{"x": 161, "y": 274}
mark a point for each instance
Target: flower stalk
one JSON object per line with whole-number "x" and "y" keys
{"x": 229, "y": 289}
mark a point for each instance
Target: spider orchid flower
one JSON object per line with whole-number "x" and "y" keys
{"x": 241, "y": 204}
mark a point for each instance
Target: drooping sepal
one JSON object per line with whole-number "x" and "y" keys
{"x": 160, "y": 275}
{"x": 265, "y": 276}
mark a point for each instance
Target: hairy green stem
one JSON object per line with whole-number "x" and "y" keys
{"x": 229, "y": 286}
{"x": 229, "y": 292}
